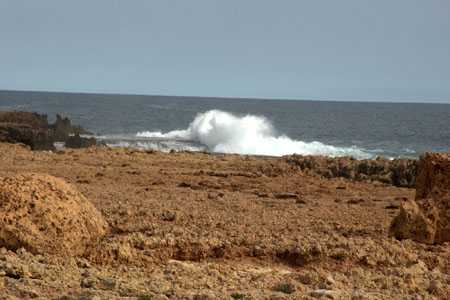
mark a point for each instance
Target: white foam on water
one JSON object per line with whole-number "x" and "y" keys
{"x": 224, "y": 132}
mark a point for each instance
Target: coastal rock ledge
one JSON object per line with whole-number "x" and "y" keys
{"x": 398, "y": 172}
{"x": 427, "y": 219}
{"x": 34, "y": 130}
{"x": 46, "y": 215}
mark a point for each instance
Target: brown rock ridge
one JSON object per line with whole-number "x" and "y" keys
{"x": 44, "y": 214}
{"x": 427, "y": 219}
{"x": 34, "y": 130}
{"x": 397, "y": 172}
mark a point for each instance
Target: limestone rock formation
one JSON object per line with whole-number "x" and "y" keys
{"x": 76, "y": 141}
{"x": 44, "y": 214}
{"x": 27, "y": 128}
{"x": 397, "y": 172}
{"x": 33, "y": 129}
{"x": 63, "y": 129}
{"x": 427, "y": 219}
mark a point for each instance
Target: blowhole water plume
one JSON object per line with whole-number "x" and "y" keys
{"x": 224, "y": 132}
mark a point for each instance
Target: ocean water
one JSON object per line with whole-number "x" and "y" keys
{"x": 249, "y": 126}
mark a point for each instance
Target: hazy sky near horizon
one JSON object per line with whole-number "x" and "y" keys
{"x": 386, "y": 50}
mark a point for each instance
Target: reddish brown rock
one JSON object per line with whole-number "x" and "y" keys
{"x": 427, "y": 219}
{"x": 230, "y": 238}
{"x": 44, "y": 214}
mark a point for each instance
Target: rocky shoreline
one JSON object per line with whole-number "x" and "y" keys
{"x": 34, "y": 130}
{"x": 101, "y": 223}
{"x": 397, "y": 172}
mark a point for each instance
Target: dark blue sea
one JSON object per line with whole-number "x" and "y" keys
{"x": 249, "y": 126}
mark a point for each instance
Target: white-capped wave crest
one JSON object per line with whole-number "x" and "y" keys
{"x": 224, "y": 132}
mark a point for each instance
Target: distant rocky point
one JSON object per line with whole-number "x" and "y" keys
{"x": 34, "y": 130}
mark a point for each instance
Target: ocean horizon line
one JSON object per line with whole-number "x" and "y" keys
{"x": 232, "y": 98}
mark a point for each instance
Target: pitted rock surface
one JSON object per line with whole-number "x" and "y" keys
{"x": 44, "y": 214}
{"x": 427, "y": 218}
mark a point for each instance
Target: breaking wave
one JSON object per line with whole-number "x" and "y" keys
{"x": 224, "y": 132}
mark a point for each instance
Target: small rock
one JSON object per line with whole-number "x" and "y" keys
{"x": 355, "y": 201}
{"x": 168, "y": 216}
{"x": 328, "y": 284}
{"x": 285, "y": 287}
{"x": 435, "y": 287}
{"x": 108, "y": 283}
{"x": 10, "y": 271}
{"x": 24, "y": 271}
{"x": 257, "y": 251}
{"x": 305, "y": 279}
{"x": 201, "y": 297}
{"x": 160, "y": 297}
{"x": 87, "y": 283}
{"x": 324, "y": 293}
{"x": 237, "y": 296}
{"x": 184, "y": 184}
{"x": 32, "y": 293}
{"x": 330, "y": 280}
{"x": 21, "y": 252}
{"x": 300, "y": 201}
{"x": 358, "y": 295}
{"x": 83, "y": 263}
{"x": 285, "y": 196}
{"x": 392, "y": 206}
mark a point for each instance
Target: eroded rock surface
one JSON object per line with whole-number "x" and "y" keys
{"x": 44, "y": 214}
{"x": 397, "y": 172}
{"x": 427, "y": 219}
{"x": 199, "y": 226}
{"x": 33, "y": 129}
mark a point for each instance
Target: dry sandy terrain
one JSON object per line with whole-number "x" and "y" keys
{"x": 201, "y": 226}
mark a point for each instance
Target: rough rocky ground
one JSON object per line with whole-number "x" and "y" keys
{"x": 200, "y": 226}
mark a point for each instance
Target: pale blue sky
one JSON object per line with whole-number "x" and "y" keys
{"x": 387, "y": 50}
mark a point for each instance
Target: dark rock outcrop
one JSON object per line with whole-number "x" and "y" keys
{"x": 63, "y": 128}
{"x": 26, "y": 128}
{"x": 33, "y": 129}
{"x": 397, "y": 172}
{"x": 36, "y": 138}
{"x": 76, "y": 141}
{"x": 427, "y": 218}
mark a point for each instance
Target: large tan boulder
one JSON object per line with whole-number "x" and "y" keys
{"x": 427, "y": 219}
{"x": 44, "y": 214}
